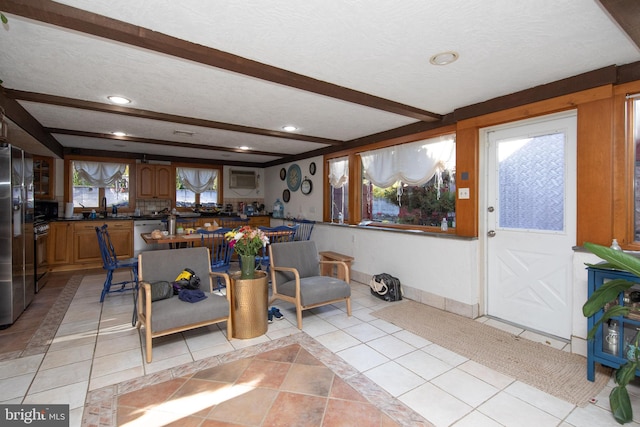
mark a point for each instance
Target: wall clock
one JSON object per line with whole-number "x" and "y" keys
{"x": 283, "y": 173}
{"x": 294, "y": 177}
{"x": 312, "y": 168}
{"x": 306, "y": 186}
{"x": 286, "y": 195}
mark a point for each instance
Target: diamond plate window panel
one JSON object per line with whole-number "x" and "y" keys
{"x": 531, "y": 179}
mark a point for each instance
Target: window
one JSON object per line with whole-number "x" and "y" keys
{"x": 93, "y": 181}
{"x": 634, "y": 103}
{"x": 339, "y": 189}
{"x": 196, "y": 186}
{"x": 410, "y": 183}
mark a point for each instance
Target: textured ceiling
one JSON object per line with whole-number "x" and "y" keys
{"x": 376, "y": 47}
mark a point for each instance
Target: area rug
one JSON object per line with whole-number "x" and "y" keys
{"x": 268, "y": 384}
{"x": 553, "y": 371}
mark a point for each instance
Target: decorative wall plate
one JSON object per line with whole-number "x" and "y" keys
{"x": 306, "y": 186}
{"x": 294, "y": 177}
{"x": 286, "y": 195}
{"x": 312, "y": 168}
{"x": 283, "y": 173}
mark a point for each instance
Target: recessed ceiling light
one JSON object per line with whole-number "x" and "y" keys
{"x": 119, "y": 133}
{"x": 244, "y": 147}
{"x": 289, "y": 128}
{"x": 444, "y": 58}
{"x": 121, "y": 100}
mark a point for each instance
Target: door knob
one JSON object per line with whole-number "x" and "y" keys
{"x": 491, "y": 233}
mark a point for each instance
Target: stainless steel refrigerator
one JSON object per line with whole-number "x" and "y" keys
{"x": 17, "y": 279}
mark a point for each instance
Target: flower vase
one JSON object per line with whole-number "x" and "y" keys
{"x": 247, "y": 266}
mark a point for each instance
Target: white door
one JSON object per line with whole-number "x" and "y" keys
{"x": 531, "y": 222}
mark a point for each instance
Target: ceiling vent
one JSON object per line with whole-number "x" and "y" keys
{"x": 242, "y": 179}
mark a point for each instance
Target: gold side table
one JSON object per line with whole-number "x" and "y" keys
{"x": 249, "y": 300}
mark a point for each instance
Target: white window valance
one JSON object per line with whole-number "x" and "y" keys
{"x": 196, "y": 179}
{"x": 339, "y": 172}
{"x": 100, "y": 174}
{"x": 413, "y": 164}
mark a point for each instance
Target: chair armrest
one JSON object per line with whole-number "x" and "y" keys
{"x": 144, "y": 302}
{"x": 227, "y": 282}
{"x": 340, "y": 264}
{"x": 290, "y": 270}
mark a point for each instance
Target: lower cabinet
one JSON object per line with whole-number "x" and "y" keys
{"x": 59, "y": 243}
{"x": 74, "y": 244}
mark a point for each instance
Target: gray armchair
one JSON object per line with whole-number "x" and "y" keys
{"x": 295, "y": 278}
{"x": 172, "y": 315}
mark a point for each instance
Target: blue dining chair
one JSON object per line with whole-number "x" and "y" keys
{"x": 111, "y": 263}
{"x": 221, "y": 251}
{"x": 281, "y": 233}
{"x": 305, "y": 227}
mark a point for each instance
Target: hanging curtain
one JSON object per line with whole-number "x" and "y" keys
{"x": 339, "y": 172}
{"x": 100, "y": 174}
{"x": 414, "y": 163}
{"x": 196, "y": 179}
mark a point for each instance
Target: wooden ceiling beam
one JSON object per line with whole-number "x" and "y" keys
{"x": 152, "y": 115}
{"x": 28, "y": 123}
{"x": 90, "y": 23}
{"x": 159, "y": 142}
{"x": 626, "y": 13}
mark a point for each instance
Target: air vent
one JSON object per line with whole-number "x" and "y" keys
{"x": 242, "y": 179}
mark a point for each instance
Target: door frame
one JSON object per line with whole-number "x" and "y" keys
{"x": 483, "y": 202}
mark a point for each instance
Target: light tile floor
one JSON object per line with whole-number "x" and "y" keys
{"x": 96, "y": 346}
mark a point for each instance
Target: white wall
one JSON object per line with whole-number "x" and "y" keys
{"x": 300, "y": 205}
{"x": 244, "y": 193}
{"x": 439, "y": 267}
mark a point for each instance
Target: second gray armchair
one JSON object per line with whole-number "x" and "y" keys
{"x": 296, "y": 278}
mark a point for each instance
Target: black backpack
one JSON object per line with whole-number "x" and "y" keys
{"x": 386, "y": 287}
{"x": 186, "y": 280}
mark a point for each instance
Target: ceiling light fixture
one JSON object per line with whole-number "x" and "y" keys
{"x": 444, "y": 58}
{"x": 289, "y": 128}
{"x": 120, "y": 100}
{"x": 183, "y": 132}
{"x": 119, "y": 133}
{"x": 243, "y": 147}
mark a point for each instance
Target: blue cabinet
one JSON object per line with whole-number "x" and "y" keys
{"x": 611, "y": 343}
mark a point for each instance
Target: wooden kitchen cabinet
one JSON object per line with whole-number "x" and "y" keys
{"x": 260, "y": 221}
{"x": 59, "y": 243}
{"x": 155, "y": 181}
{"x": 43, "y": 178}
{"x": 85, "y": 240}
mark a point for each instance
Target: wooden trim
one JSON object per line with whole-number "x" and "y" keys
{"x": 549, "y": 106}
{"x": 595, "y": 163}
{"x": 467, "y": 164}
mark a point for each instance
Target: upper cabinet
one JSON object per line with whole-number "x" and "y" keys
{"x": 154, "y": 181}
{"x": 43, "y": 178}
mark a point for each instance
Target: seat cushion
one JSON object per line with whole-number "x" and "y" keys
{"x": 173, "y": 313}
{"x": 316, "y": 289}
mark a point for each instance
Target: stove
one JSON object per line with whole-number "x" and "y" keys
{"x": 40, "y": 228}
{"x": 44, "y": 212}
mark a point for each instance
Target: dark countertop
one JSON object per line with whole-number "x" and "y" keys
{"x": 122, "y": 217}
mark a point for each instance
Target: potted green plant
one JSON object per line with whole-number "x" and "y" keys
{"x": 619, "y": 400}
